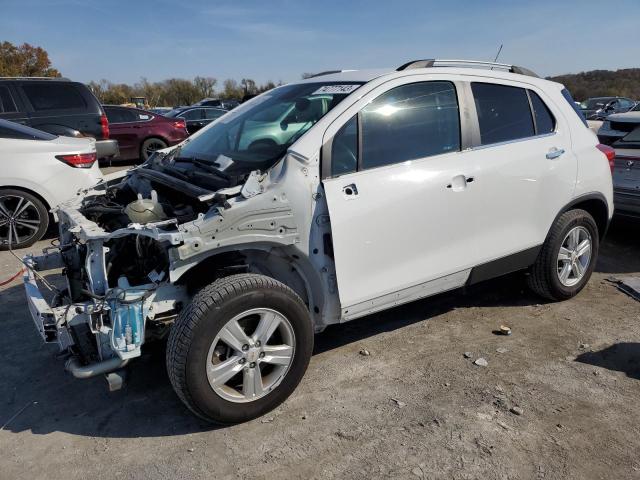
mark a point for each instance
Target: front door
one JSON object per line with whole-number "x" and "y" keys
{"x": 400, "y": 198}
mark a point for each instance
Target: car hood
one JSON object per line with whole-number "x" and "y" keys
{"x": 629, "y": 117}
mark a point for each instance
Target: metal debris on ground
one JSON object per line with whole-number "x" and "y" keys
{"x": 364, "y": 352}
{"x": 628, "y": 285}
{"x": 398, "y": 403}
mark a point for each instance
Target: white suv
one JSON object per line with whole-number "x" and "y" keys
{"x": 316, "y": 203}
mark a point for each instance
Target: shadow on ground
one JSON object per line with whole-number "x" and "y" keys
{"x": 147, "y": 406}
{"x": 620, "y": 357}
{"x": 620, "y": 252}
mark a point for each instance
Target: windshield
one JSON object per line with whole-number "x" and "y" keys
{"x": 260, "y": 132}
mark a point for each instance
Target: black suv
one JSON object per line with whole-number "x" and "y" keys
{"x": 58, "y": 106}
{"x": 227, "y": 104}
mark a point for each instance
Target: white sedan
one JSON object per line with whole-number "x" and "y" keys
{"x": 37, "y": 172}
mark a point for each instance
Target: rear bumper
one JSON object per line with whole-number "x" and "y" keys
{"x": 107, "y": 148}
{"x": 626, "y": 202}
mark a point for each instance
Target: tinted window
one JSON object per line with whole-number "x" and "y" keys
{"x": 409, "y": 122}
{"x": 567, "y": 96}
{"x": 120, "y": 115}
{"x": 545, "y": 123}
{"x": 195, "y": 114}
{"x": 212, "y": 113}
{"x": 53, "y": 96}
{"x": 6, "y": 102}
{"x": 624, "y": 103}
{"x": 344, "y": 150}
{"x": 503, "y": 112}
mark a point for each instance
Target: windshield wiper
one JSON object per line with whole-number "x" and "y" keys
{"x": 204, "y": 164}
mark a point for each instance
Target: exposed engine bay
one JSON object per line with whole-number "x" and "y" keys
{"x": 128, "y": 245}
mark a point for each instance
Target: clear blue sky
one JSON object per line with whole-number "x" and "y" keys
{"x": 278, "y": 40}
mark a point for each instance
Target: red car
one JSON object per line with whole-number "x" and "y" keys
{"x": 139, "y": 133}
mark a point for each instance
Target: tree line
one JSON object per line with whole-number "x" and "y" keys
{"x": 602, "y": 83}
{"x": 177, "y": 91}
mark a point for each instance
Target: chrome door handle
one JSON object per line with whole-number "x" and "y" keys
{"x": 554, "y": 153}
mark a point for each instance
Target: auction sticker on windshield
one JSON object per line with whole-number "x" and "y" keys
{"x": 334, "y": 89}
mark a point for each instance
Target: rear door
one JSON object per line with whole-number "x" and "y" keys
{"x": 124, "y": 128}
{"x": 526, "y": 169}
{"x": 399, "y": 188}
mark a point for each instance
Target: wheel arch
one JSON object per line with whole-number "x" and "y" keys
{"x": 596, "y": 205}
{"x": 38, "y": 195}
{"x": 279, "y": 262}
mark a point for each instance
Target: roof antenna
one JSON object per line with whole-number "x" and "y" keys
{"x": 498, "y": 54}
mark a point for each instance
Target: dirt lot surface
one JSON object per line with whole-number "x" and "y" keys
{"x": 415, "y": 407}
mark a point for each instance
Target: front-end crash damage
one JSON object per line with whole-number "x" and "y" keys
{"x": 135, "y": 249}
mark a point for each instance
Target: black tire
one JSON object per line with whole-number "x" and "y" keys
{"x": 154, "y": 143}
{"x": 544, "y": 279}
{"x": 198, "y": 324}
{"x": 36, "y": 214}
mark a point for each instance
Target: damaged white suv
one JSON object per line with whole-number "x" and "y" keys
{"x": 317, "y": 203}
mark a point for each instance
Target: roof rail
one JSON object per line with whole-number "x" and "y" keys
{"x": 433, "y": 62}
{"x": 53, "y": 79}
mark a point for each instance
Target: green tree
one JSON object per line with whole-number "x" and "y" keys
{"x": 25, "y": 61}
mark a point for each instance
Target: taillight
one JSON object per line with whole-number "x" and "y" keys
{"x": 78, "y": 160}
{"x": 180, "y": 124}
{"x": 104, "y": 124}
{"x": 610, "y": 153}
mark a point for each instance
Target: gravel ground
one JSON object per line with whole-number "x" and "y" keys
{"x": 558, "y": 398}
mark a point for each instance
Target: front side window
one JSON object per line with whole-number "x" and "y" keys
{"x": 213, "y": 113}
{"x": 545, "y": 123}
{"x": 53, "y": 96}
{"x": 344, "y": 149}
{"x": 195, "y": 114}
{"x": 409, "y": 122}
{"x": 7, "y": 104}
{"x": 504, "y": 113}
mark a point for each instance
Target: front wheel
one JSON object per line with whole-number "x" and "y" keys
{"x": 240, "y": 348}
{"x": 567, "y": 257}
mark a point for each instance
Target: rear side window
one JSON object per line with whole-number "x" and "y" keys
{"x": 545, "y": 122}
{"x": 53, "y": 96}
{"x": 567, "y": 96}
{"x": 503, "y": 112}
{"x": 410, "y": 122}
{"x": 7, "y": 105}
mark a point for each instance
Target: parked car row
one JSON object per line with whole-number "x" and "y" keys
{"x": 598, "y": 108}
{"x": 622, "y": 132}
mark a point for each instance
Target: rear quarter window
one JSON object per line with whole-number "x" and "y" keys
{"x": 567, "y": 96}
{"x": 545, "y": 122}
{"x": 7, "y": 105}
{"x": 54, "y": 96}
{"x": 503, "y": 111}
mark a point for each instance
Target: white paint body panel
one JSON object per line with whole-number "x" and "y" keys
{"x": 31, "y": 165}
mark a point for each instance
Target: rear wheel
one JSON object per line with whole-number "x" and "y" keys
{"x": 567, "y": 258}
{"x": 240, "y": 348}
{"x": 24, "y": 219}
{"x": 150, "y": 145}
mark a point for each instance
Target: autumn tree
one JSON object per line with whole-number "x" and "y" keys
{"x": 25, "y": 61}
{"x": 205, "y": 85}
